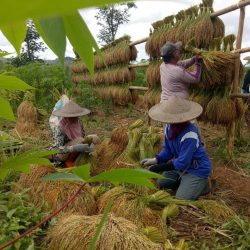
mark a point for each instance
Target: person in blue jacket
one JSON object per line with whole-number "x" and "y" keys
{"x": 183, "y": 159}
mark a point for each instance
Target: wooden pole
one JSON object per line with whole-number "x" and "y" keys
{"x": 143, "y": 40}
{"x": 138, "y": 65}
{"x": 138, "y": 88}
{"x": 239, "y": 5}
{"x": 235, "y": 84}
{"x": 244, "y": 50}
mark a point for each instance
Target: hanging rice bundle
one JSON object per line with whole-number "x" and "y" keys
{"x": 218, "y": 27}
{"x": 106, "y": 152}
{"x": 228, "y": 42}
{"x": 152, "y": 97}
{"x": 153, "y": 77}
{"x": 78, "y": 67}
{"x": 119, "y": 96}
{"x": 76, "y": 232}
{"x": 26, "y": 123}
{"x": 111, "y": 76}
{"x": 217, "y": 66}
{"x": 221, "y": 110}
{"x": 54, "y": 194}
{"x": 204, "y": 32}
{"x": 240, "y": 107}
{"x": 131, "y": 205}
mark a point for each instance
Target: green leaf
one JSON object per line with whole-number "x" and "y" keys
{"x": 15, "y": 10}
{"x": 99, "y": 229}
{"x": 6, "y": 110}
{"x": 83, "y": 171}
{"x": 123, "y": 175}
{"x": 53, "y": 33}
{"x": 3, "y": 173}
{"x": 15, "y": 32}
{"x": 11, "y": 212}
{"x": 80, "y": 38}
{"x": 62, "y": 176}
{"x": 13, "y": 83}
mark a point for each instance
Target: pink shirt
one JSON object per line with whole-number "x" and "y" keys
{"x": 175, "y": 80}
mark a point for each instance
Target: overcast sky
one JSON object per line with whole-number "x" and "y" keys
{"x": 146, "y": 13}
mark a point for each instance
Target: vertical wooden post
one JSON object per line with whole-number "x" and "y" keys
{"x": 236, "y": 81}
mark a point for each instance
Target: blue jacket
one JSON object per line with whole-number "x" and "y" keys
{"x": 186, "y": 152}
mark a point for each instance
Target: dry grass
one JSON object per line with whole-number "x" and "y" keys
{"x": 52, "y": 195}
{"x": 76, "y": 232}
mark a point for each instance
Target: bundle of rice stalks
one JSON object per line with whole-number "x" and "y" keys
{"x": 118, "y": 95}
{"x": 76, "y": 232}
{"x": 204, "y": 32}
{"x": 228, "y": 42}
{"x": 218, "y": 27}
{"x": 106, "y": 152}
{"x": 172, "y": 210}
{"x": 240, "y": 107}
{"x": 153, "y": 234}
{"x": 180, "y": 245}
{"x": 215, "y": 209}
{"x": 26, "y": 123}
{"x": 217, "y": 67}
{"x": 221, "y": 110}
{"x": 152, "y": 97}
{"x": 78, "y": 67}
{"x": 131, "y": 205}
{"x": 51, "y": 195}
{"x": 153, "y": 77}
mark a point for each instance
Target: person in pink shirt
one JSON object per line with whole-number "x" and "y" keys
{"x": 175, "y": 79}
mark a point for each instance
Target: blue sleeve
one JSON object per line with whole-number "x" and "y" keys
{"x": 165, "y": 155}
{"x": 184, "y": 160}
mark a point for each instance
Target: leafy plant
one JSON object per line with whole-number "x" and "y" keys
{"x": 17, "y": 214}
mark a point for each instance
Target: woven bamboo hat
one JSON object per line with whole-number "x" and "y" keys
{"x": 175, "y": 110}
{"x": 71, "y": 109}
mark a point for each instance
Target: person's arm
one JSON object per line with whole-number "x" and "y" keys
{"x": 165, "y": 155}
{"x": 58, "y": 137}
{"x": 189, "y": 144}
{"x": 189, "y": 77}
{"x": 186, "y": 63}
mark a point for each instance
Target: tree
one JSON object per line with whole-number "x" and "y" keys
{"x": 32, "y": 45}
{"x": 110, "y": 17}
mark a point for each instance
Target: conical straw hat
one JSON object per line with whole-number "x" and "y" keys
{"x": 175, "y": 110}
{"x": 71, "y": 109}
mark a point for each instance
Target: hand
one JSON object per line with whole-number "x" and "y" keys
{"x": 162, "y": 167}
{"x": 197, "y": 59}
{"x": 148, "y": 162}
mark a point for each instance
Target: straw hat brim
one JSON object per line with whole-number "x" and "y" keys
{"x": 62, "y": 113}
{"x": 157, "y": 114}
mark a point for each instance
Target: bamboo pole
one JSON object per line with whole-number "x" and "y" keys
{"x": 235, "y": 84}
{"x": 239, "y": 5}
{"x": 143, "y": 40}
{"x": 138, "y": 88}
{"x": 138, "y": 65}
{"x": 244, "y": 50}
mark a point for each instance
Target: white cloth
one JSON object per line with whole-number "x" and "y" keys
{"x": 54, "y": 120}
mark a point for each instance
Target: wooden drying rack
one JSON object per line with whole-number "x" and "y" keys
{"x": 235, "y": 87}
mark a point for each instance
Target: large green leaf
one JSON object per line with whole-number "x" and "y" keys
{"x": 80, "y": 38}
{"x": 100, "y": 226}
{"x": 83, "y": 171}
{"x": 15, "y": 32}
{"x": 6, "y": 110}
{"x": 4, "y": 53}
{"x": 21, "y": 162}
{"x": 13, "y": 83}
{"x": 53, "y": 33}
{"x": 15, "y": 10}
{"x": 139, "y": 177}
{"x": 62, "y": 176}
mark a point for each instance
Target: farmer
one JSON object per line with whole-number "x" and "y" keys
{"x": 183, "y": 159}
{"x": 68, "y": 134}
{"x": 175, "y": 79}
